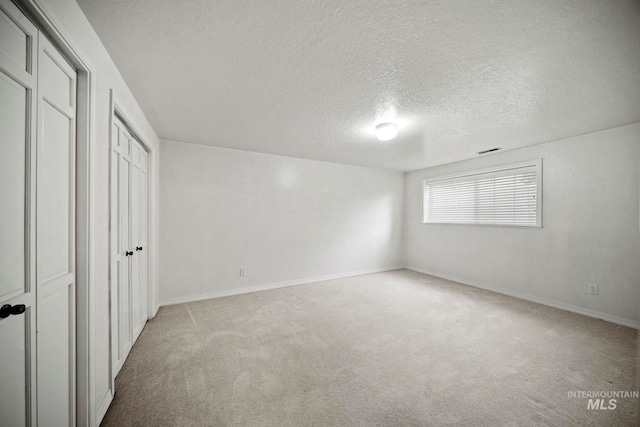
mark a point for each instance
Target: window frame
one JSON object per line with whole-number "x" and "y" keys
{"x": 535, "y": 163}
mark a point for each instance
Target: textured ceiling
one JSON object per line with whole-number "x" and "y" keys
{"x": 311, "y": 78}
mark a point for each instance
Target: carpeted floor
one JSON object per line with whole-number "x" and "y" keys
{"x": 390, "y": 349}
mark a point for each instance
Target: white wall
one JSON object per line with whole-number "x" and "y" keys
{"x": 590, "y": 229}
{"x": 282, "y": 219}
{"x": 74, "y": 27}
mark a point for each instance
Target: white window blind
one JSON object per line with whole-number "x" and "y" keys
{"x": 510, "y": 195}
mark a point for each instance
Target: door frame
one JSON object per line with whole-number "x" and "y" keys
{"x": 116, "y": 109}
{"x": 43, "y": 15}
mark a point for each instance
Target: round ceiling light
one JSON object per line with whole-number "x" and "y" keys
{"x": 386, "y": 131}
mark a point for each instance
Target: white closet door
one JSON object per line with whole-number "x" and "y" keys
{"x": 55, "y": 237}
{"x": 134, "y": 203}
{"x": 139, "y": 236}
{"x": 37, "y": 223}
{"x": 142, "y": 249}
{"x": 18, "y": 83}
{"x": 117, "y": 256}
{"x": 128, "y": 242}
{"x": 124, "y": 303}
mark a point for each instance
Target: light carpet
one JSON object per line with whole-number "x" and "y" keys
{"x": 398, "y": 348}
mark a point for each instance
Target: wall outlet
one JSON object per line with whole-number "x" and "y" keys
{"x": 593, "y": 289}
{"x": 242, "y": 271}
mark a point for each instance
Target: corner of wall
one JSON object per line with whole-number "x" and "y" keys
{"x": 405, "y": 219}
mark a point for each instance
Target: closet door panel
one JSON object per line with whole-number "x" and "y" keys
{"x": 124, "y": 291}
{"x": 18, "y": 42}
{"x": 13, "y": 176}
{"x": 18, "y": 114}
{"x": 17, "y": 216}
{"x": 142, "y": 255}
{"x": 55, "y": 369}
{"x": 134, "y": 204}
{"x": 55, "y": 237}
{"x": 54, "y": 195}
{"x": 116, "y": 247}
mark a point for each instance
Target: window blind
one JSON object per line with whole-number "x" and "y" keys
{"x": 506, "y": 196}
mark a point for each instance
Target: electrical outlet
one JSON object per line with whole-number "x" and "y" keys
{"x": 593, "y": 289}
{"x": 242, "y": 271}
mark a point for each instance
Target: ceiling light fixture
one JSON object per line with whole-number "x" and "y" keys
{"x": 386, "y": 131}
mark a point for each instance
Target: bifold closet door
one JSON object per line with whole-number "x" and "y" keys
{"x": 134, "y": 207}
{"x": 142, "y": 234}
{"x": 37, "y": 224}
{"x": 55, "y": 237}
{"x": 121, "y": 245}
{"x": 18, "y": 101}
{"x": 138, "y": 204}
{"x": 128, "y": 237}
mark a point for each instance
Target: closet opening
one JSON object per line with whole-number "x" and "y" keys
{"x": 130, "y": 294}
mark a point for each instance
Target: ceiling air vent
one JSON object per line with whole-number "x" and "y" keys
{"x": 489, "y": 150}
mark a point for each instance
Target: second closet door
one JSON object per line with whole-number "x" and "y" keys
{"x": 129, "y": 240}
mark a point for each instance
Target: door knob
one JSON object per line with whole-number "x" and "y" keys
{"x": 127, "y": 253}
{"x": 7, "y": 310}
{"x": 138, "y": 248}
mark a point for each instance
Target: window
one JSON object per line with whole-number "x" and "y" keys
{"x": 510, "y": 195}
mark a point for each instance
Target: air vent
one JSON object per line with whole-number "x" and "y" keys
{"x": 489, "y": 150}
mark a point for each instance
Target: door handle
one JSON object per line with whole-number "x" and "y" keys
{"x": 127, "y": 253}
{"x": 138, "y": 248}
{"x": 7, "y": 310}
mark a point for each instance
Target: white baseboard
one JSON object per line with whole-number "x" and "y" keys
{"x": 567, "y": 307}
{"x": 266, "y": 287}
{"x": 103, "y": 406}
